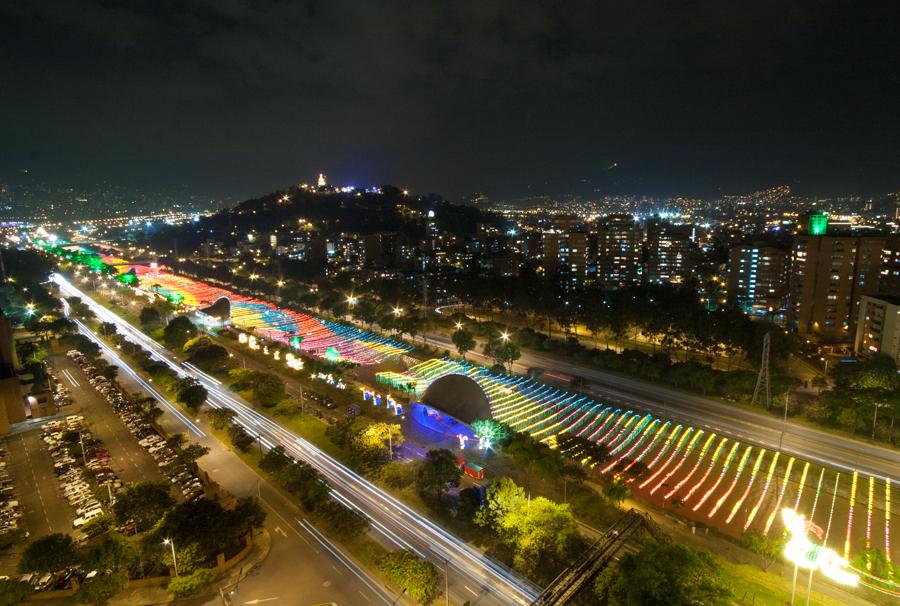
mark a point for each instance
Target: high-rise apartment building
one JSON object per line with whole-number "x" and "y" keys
{"x": 619, "y": 246}
{"x": 878, "y": 327}
{"x": 757, "y": 277}
{"x": 890, "y": 266}
{"x": 828, "y": 277}
{"x": 670, "y": 252}
{"x": 565, "y": 256}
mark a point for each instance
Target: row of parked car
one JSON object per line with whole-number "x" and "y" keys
{"x": 82, "y": 466}
{"x": 10, "y": 511}
{"x": 179, "y": 474}
{"x": 61, "y": 396}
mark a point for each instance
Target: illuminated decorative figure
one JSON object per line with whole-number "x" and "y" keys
{"x": 804, "y": 553}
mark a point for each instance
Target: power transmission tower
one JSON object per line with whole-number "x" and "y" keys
{"x": 763, "y": 374}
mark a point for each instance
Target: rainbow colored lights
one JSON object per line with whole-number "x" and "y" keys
{"x": 662, "y": 460}
{"x": 302, "y": 332}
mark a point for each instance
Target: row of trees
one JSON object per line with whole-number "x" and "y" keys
{"x": 865, "y": 400}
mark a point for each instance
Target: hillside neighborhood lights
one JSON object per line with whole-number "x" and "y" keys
{"x": 806, "y": 554}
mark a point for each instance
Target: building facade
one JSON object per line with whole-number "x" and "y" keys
{"x": 619, "y": 248}
{"x": 878, "y": 327}
{"x": 670, "y": 252}
{"x": 565, "y": 257}
{"x": 828, "y": 277}
{"x": 757, "y": 277}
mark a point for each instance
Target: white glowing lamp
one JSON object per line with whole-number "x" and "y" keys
{"x": 810, "y": 556}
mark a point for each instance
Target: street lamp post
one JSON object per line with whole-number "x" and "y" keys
{"x": 446, "y": 583}
{"x": 171, "y": 544}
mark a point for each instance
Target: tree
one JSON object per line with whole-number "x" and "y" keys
{"x": 190, "y": 453}
{"x": 343, "y": 521}
{"x": 240, "y": 439}
{"x": 616, "y": 490}
{"x": 874, "y": 560}
{"x": 267, "y": 389}
{"x": 114, "y": 552}
{"x": 663, "y": 574}
{"x": 191, "y": 393}
{"x": 190, "y": 557}
{"x": 206, "y": 354}
{"x": 100, "y": 589}
{"x": 464, "y": 342}
{"x": 207, "y": 524}
{"x": 49, "y": 553}
{"x": 149, "y": 317}
{"x": 503, "y": 351}
{"x": 437, "y": 473}
{"x": 378, "y": 436}
{"x": 144, "y": 503}
{"x": 107, "y": 329}
{"x": 490, "y": 432}
{"x": 98, "y": 525}
{"x": 13, "y": 592}
{"x": 249, "y": 513}
{"x": 542, "y": 534}
{"x": 179, "y": 331}
{"x": 176, "y": 441}
{"x": 769, "y": 547}
{"x": 220, "y": 418}
{"x": 419, "y": 578}
{"x": 400, "y": 474}
{"x": 185, "y": 585}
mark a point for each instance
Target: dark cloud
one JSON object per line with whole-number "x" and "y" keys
{"x": 507, "y": 97}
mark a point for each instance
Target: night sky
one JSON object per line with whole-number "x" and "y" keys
{"x": 240, "y": 97}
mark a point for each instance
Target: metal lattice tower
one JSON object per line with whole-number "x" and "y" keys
{"x": 763, "y": 374}
{"x": 596, "y": 558}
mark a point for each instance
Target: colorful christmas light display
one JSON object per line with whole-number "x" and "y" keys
{"x": 743, "y": 497}
{"x": 784, "y": 485}
{"x": 725, "y": 467}
{"x": 685, "y": 459}
{"x": 887, "y": 524}
{"x": 712, "y": 464}
{"x": 850, "y": 514}
{"x": 301, "y": 332}
{"x": 687, "y": 476}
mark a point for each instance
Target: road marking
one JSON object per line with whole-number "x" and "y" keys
{"x": 260, "y": 600}
{"x": 470, "y": 590}
{"x": 281, "y": 532}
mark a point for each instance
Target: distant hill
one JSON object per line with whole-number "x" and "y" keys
{"x": 330, "y": 213}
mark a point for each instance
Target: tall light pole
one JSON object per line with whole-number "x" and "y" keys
{"x": 171, "y": 544}
{"x": 446, "y": 583}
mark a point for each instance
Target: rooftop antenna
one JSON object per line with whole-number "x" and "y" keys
{"x": 764, "y": 374}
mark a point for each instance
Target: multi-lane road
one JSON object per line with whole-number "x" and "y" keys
{"x": 748, "y": 426}
{"x": 473, "y": 576}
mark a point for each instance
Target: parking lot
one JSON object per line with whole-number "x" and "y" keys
{"x": 44, "y": 508}
{"x": 130, "y": 462}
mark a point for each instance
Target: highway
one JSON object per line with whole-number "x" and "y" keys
{"x": 473, "y": 576}
{"x": 807, "y": 443}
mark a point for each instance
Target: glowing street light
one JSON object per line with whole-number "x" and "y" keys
{"x": 459, "y": 326}
{"x": 171, "y": 544}
{"x": 29, "y": 309}
{"x": 280, "y": 283}
{"x": 398, "y": 311}
{"x": 351, "y": 300}
{"x": 504, "y": 335}
{"x": 254, "y": 276}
